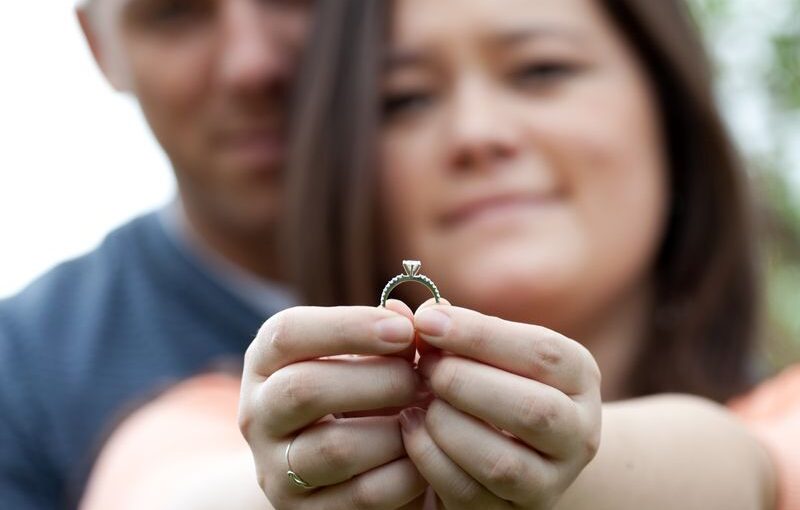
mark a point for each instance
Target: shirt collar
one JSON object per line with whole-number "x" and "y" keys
{"x": 264, "y": 295}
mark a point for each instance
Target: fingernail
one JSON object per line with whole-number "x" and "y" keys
{"x": 411, "y": 418}
{"x": 395, "y": 330}
{"x": 431, "y": 322}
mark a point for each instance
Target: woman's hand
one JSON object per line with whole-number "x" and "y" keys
{"x": 516, "y": 415}
{"x": 297, "y": 375}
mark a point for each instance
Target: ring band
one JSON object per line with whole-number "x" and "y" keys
{"x": 296, "y": 479}
{"x": 411, "y": 268}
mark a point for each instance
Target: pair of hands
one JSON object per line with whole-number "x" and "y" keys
{"x": 513, "y": 410}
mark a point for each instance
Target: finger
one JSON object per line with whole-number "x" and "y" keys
{"x": 398, "y": 306}
{"x": 451, "y": 483}
{"x": 302, "y": 393}
{"x": 524, "y": 349}
{"x": 419, "y": 502}
{"x": 505, "y": 467}
{"x": 333, "y": 451}
{"x": 422, "y": 345}
{"x": 401, "y": 308}
{"x": 539, "y": 415}
{"x": 303, "y": 333}
{"x": 392, "y": 485}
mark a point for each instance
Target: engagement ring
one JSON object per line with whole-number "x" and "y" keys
{"x": 411, "y": 268}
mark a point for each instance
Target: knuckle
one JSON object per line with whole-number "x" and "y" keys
{"x": 506, "y": 473}
{"x": 249, "y": 353}
{"x": 279, "y": 498}
{"x": 450, "y": 379}
{"x": 466, "y": 491}
{"x": 480, "y": 328}
{"x": 363, "y": 496}
{"x": 264, "y": 480}
{"x": 537, "y": 415}
{"x": 343, "y": 326}
{"x": 244, "y": 420}
{"x": 591, "y": 444}
{"x": 337, "y": 452}
{"x": 547, "y": 355}
{"x": 295, "y": 389}
{"x": 275, "y": 333}
{"x": 592, "y": 369}
{"x": 397, "y": 387}
{"x": 423, "y": 453}
{"x": 400, "y": 379}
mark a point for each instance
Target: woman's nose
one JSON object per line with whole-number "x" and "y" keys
{"x": 482, "y": 128}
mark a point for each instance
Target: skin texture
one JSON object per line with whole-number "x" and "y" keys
{"x": 673, "y": 451}
{"x": 211, "y": 77}
{"x": 286, "y": 387}
{"x": 533, "y": 383}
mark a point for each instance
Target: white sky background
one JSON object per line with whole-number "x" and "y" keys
{"x": 76, "y": 159}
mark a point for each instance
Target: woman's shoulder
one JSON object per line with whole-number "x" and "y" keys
{"x": 772, "y": 412}
{"x": 774, "y": 400}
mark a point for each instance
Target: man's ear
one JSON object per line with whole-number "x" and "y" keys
{"x": 95, "y": 42}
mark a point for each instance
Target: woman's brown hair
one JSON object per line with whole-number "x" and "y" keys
{"x": 703, "y": 325}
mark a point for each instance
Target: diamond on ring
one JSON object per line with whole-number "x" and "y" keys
{"x": 411, "y": 268}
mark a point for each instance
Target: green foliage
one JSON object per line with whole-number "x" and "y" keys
{"x": 784, "y": 76}
{"x": 781, "y": 254}
{"x": 778, "y": 76}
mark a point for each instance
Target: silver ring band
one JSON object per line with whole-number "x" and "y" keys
{"x": 296, "y": 479}
{"x": 411, "y": 268}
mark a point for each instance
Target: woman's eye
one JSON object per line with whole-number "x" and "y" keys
{"x": 543, "y": 73}
{"x": 397, "y": 104}
{"x": 287, "y": 3}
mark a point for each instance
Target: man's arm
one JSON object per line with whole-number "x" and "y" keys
{"x": 181, "y": 450}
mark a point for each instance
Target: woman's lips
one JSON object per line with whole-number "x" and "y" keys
{"x": 497, "y": 209}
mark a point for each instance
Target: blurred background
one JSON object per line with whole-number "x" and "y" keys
{"x": 756, "y": 45}
{"x": 76, "y": 159}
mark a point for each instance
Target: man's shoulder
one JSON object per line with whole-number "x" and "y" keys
{"x": 55, "y": 297}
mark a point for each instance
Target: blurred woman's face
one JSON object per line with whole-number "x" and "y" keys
{"x": 522, "y": 156}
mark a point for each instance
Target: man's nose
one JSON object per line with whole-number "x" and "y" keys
{"x": 255, "y": 53}
{"x": 483, "y": 131}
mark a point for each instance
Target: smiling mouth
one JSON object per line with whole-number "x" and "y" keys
{"x": 497, "y": 208}
{"x": 260, "y": 147}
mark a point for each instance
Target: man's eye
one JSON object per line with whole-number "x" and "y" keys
{"x": 174, "y": 11}
{"x": 171, "y": 10}
{"x": 397, "y": 104}
{"x": 288, "y": 3}
{"x": 543, "y": 73}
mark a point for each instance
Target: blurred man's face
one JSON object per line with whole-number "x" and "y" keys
{"x": 211, "y": 77}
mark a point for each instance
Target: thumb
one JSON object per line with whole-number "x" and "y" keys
{"x": 423, "y": 346}
{"x": 395, "y": 305}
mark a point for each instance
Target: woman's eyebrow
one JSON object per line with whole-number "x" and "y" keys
{"x": 520, "y": 35}
{"x": 401, "y": 59}
{"x": 410, "y": 58}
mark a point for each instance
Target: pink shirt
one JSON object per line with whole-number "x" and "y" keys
{"x": 772, "y": 412}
